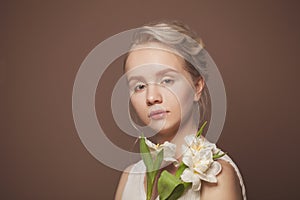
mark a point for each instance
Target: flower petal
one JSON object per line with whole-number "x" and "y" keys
{"x": 150, "y": 144}
{"x": 188, "y": 159}
{"x": 169, "y": 149}
{"x": 189, "y": 139}
{"x": 187, "y": 176}
{"x": 215, "y": 168}
{"x": 184, "y": 149}
{"x": 211, "y": 178}
{"x": 190, "y": 177}
{"x": 196, "y": 183}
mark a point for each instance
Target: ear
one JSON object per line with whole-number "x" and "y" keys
{"x": 199, "y": 85}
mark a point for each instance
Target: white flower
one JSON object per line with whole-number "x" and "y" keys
{"x": 169, "y": 150}
{"x": 199, "y": 159}
{"x": 197, "y": 143}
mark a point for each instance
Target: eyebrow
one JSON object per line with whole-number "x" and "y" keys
{"x": 157, "y": 74}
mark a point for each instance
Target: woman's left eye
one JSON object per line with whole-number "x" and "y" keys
{"x": 167, "y": 81}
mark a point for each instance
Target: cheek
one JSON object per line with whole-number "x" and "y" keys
{"x": 178, "y": 100}
{"x": 182, "y": 101}
{"x": 139, "y": 106}
{"x": 184, "y": 94}
{"x": 136, "y": 102}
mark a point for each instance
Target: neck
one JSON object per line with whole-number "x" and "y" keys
{"x": 190, "y": 128}
{"x": 177, "y": 136}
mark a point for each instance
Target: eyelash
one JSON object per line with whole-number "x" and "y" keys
{"x": 169, "y": 81}
{"x": 139, "y": 85}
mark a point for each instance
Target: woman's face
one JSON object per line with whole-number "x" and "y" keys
{"x": 161, "y": 90}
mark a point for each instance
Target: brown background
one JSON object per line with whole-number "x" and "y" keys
{"x": 254, "y": 43}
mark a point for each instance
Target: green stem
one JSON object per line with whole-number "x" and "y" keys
{"x": 199, "y": 133}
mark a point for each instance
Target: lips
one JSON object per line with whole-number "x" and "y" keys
{"x": 158, "y": 114}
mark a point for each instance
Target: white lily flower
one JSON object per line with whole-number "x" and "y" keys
{"x": 199, "y": 159}
{"x": 197, "y": 143}
{"x": 169, "y": 150}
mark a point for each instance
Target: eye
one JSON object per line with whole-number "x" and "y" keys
{"x": 139, "y": 87}
{"x": 167, "y": 81}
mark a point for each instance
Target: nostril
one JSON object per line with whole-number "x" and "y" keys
{"x": 151, "y": 101}
{"x": 153, "y": 95}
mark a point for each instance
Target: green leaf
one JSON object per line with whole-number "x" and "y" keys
{"x": 146, "y": 155}
{"x": 180, "y": 169}
{"x": 216, "y": 156}
{"x": 150, "y": 181}
{"x": 169, "y": 186}
{"x": 186, "y": 185}
{"x": 158, "y": 160}
{"x": 177, "y": 192}
{"x": 147, "y": 158}
{"x": 151, "y": 165}
{"x": 201, "y": 129}
{"x": 153, "y": 173}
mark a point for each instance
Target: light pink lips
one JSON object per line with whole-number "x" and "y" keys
{"x": 158, "y": 114}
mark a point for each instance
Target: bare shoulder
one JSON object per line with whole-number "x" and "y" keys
{"x": 122, "y": 183}
{"x": 227, "y": 188}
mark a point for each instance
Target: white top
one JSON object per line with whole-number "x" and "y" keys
{"x": 134, "y": 188}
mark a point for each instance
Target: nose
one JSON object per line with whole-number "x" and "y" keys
{"x": 153, "y": 95}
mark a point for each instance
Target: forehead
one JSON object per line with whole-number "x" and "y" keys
{"x": 151, "y": 55}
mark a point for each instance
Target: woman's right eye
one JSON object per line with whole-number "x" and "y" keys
{"x": 139, "y": 87}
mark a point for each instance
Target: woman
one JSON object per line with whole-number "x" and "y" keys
{"x": 169, "y": 95}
